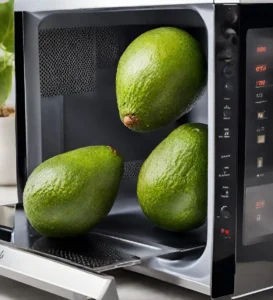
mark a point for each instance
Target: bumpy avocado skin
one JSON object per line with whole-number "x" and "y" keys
{"x": 172, "y": 184}
{"x": 69, "y": 194}
{"x": 159, "y": 78}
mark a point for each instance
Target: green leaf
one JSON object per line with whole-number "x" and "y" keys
{"x": 5, "y": 81}
{"x": 3, "y": 63}
{"x": 7, "y": 25}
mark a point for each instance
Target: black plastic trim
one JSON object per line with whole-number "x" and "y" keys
{"x": 20, "y": 105}
{"x": 226, "y": 145}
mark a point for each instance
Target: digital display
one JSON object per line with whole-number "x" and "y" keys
{"x": 258, "y": 200}
{"x": 261, "y": 49}
{"x": 259, "y": 211}
{"x": 260, "y": 83}
{"x": 261, "y": 68}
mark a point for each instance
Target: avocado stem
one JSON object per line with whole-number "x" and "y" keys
{"x": 113, "y": 150}
{"x": 130, "y": 120}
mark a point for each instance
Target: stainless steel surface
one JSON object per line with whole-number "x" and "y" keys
{"x": 182, "y": 281}
{"x": 7, "y": 214}
{"x": 242, "y": 1}
{"x": 130, "y": 286}
{"x": 253, "y": 293}
{"x": 51, "y": 5}
{"x": 225, "y": 1}
{"x": 54, "y": 277}
{"x": 8, "y": 195}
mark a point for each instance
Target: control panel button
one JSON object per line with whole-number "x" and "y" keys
{"x": 231, "y": 36}
{"x": 262, "y": 115}
{"x": 225, "y": 135}
{"x": 225, "y": 172}
{"x": 232, "y": 17}
{"x": 225, "y": 192}
{"x": 261, "y": 139}
{"x": 227, "y": 113}
{"x": 225, "y": 213}
{"x": 228, "y": 87}
{"x": 229, "y": 70}
{"x": 226, "y": 155}
{"x": 260, "y": 162}
{"x": 225, "y": 55}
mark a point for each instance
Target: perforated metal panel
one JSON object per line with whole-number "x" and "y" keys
{"x": 69, "y": 58}
{"x": 132, "y": 168}
{"x": 107, "y": 46}
{"x": 67, "y": 61}
{"x": 87, "y": 252}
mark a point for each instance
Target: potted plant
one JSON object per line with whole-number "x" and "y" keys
{"x": 7, "y": 105}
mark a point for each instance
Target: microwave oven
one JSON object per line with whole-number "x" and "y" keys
{"x": 66, "y": 55}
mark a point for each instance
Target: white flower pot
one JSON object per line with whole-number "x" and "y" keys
{"x": 7, "y": 151}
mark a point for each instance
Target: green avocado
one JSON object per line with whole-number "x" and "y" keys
{"x": 172, "y": 183}
{"x": 67, "y": 195}
{"x": 159, "y": 78}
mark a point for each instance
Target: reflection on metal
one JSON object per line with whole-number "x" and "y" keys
{"x": 252, "y": 293}
{"x": 7, "y": 214}
{"x": 51, "y": 5}
{"x": 44, "y": 274}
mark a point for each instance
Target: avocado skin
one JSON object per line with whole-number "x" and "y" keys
{"x": 172, "y": 184}
{"x": 159, "y": 78}
{"x": 67, "y": 195}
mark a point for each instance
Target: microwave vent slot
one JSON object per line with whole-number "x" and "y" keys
{"x": 107, "y": 46}
{"x": 67, "y": 61}
{"x": 69, "y": 58}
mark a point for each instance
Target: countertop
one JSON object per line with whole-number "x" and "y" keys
{"x": 130, "y": 286}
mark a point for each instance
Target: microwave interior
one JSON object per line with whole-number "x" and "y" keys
{"x": 71, "y": 61}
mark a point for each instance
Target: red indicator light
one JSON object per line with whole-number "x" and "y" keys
{"x": 261, "y": 68}
{"x": 261, "y": 49}
{"x": 224, "y": 231}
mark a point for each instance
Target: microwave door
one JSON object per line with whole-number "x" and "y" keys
{"x": 254, "y": 253}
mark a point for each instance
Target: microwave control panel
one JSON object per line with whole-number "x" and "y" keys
{"x": 226, "y": 145}
{"x": 258, "y": 204}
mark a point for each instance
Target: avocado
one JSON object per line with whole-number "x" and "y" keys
{"x": 172, "y": 183}
{"x": 67, "y": 195}
{"x": 159, "y": 78}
